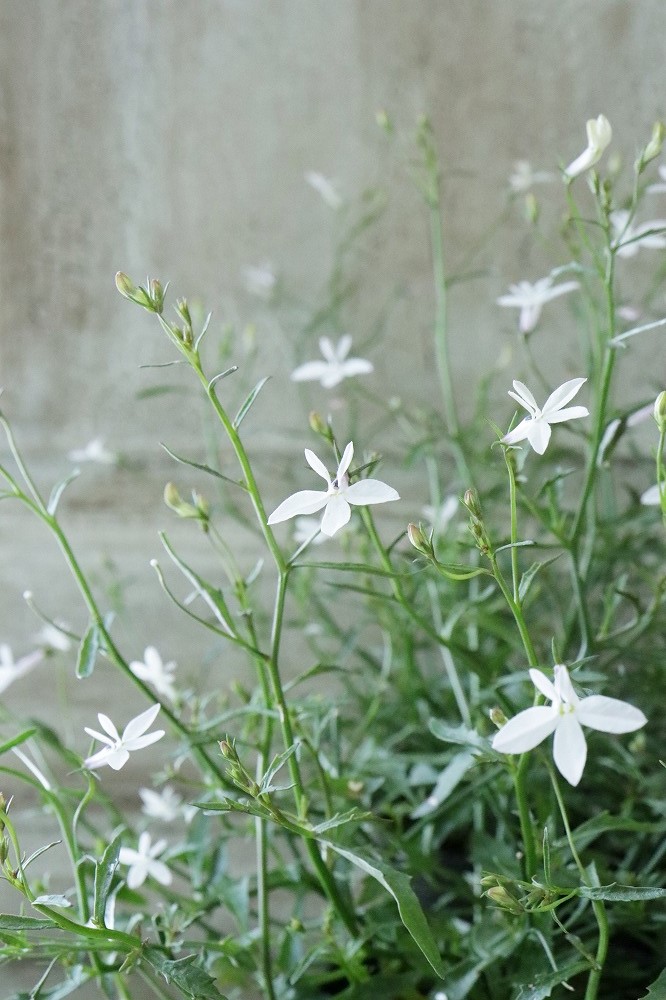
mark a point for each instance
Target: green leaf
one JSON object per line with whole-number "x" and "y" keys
{"x": 202, "y": 468}
{"x": 59, "y": 489}
{"x": 542, "y": 986}
{"x": 191, "y": 979}
{"x": 546, "y": 856}
{"x": 17, "y": 740}
{"x": 448, "y": 780}
{"x": 621, "y": 893}
{"x": 104, "y": 871}
{"x": 457, "y": 734}
{"x": 588, "y": 831}
{"x": 9, "y": 922}
{"x": 88, "y": 651}
{"x": 211, "y": 595}
{"x": 52, "y": 899}
{"x": 245, "y": 408}
{"x": 657, "y": 989}
{"x": 351, "y": 568}
{"x": 278, "y": 761}
{"x": 398, "y": 885}
{"x": 453, "y": 571}
{"x": 529, "y": 574}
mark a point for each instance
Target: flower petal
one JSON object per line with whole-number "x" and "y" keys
{"x": 562, "y": 395}
{"x": 343, "y": 347}
{"x": 333, "y": 376}
{"x": 526, "y": 730}
{"x": 568, "y": 413}
{"x": 136, "y": 876}
{"x": 524, "y": 396}
{"x": 519, "y": 433}
{"x": 538, "y": 435}
{"x": 556, "y": 290}
{"x": 563, "y": 685}
{"x": 139, "y": 742}
{"x": 345, "y": 462}
{"x": 609, "y": 715}
{"x": 108, "y": 726}
{"x": 317, "y": 465}
{"x": 99, "y": 736}
{"x": 303, "y": 502}
{"x": 336, "y": 515}
{"x": 544, "y": 685}
{"x": 569, "y": 748}
{"x": 328, "y": 350}
{"x": 357, "y": 366}
{"x": 367, "y": 491}
{"x": 138, "y": 725}
{"x": 311, "y": 371}
{"x": 159, "y": 871}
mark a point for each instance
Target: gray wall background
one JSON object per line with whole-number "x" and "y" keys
{"x": 171, "y": 137}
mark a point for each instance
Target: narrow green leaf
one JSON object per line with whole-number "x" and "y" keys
{"x": 457, "y": 734}
{"x": 454, "y": 571}
{"x": 351, "y": 568}
{"x": 657, "y": 989}
{"x": 546, "y": 856}
{"x": 341, "y": 819}
{"x": 210, "y": 595}
{"x": 88, "y": 651}
{"x": 17, "y": 740}
{"x": 191, "y": 979}
{"x": 9, "y": 922}
{"x": 105, "y": 869}
{"x": 52, "y": 899}
{"x": 278, "y": 761}
{"x": 218, "y": 378}
{"x": 621, "y": 893}
{"x": 202, "y": 468}
{"x": 542, "y": 986}
{"x": 448, "y": 780}
{"x": 59, "y": 489}
{"x": 245, "y": 408}
{"x": 398, "y": 885}
{"x": 529, "y": 574}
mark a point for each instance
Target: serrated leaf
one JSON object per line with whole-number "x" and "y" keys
{"x": 88, "y": 650}
{"x": 657, "y": 989}
{"x": 542, "y": 986}
{"x": 191, "y": 979}
{"x": 59, "y": 489}
{"x": 245, "y": 408}
{"x": 10, "y": 922}
{"x": 448, "y": 780}
{"x": 621, "y": 893}
{"x": 17, "y": 740}
{"x": 105, "y": 869}
{"x": 210, "y": 595}
{"x": 397, "y": 884}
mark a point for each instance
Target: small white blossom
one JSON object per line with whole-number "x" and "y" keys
{"x": 599, "y": 135}
{"x": 118, "y": 748}
{"x": 11, "y": 669}
{"x": 536, "y": 427}
{"x": 52, "y": 637}
{"x": 325, "y": 188}
{"x": 143, "y": 862}
{"x": 335, "y": 367}
{"x": 531, "y": 298}
{"x": 523, "y": 177}
{"x": 260, "y": 280}
{"x": 94, "y": 451}
{"x": 629, "y": 237}
{"x": 337, "y": 496}
{"x": 165, "y": 805}
{"x": 565, "y": 717}
{"x": 152, "y": 671}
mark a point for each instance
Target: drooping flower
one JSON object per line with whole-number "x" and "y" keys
{"x": 118, "y": 748}
{"x": 152, "y": 671}
{"x": 629, "y": 237}
{"x": 325, "y": 188}
{"x": 11, "y": 669}
{"x": 143, "y": 862}
{"x": 531, "y": 298}
{"x": 335, "y": 367}
{"x": 523, "y": 177}
{"x": 94, "y": 451}
{"x": 565, "y": 717}
{"x": 165, "y": 805}
{"x": 536, "y": 427}
{"x": 337, "y": 496}
{"x": 599, "y": 135}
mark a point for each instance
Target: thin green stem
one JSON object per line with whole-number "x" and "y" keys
{"x": 516, "y": 611}
{"x": 508, "y": 458}
{"x": 526, "y": 825}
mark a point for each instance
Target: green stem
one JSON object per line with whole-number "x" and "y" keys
{"x": 516, "y": 611}
{"x": 508, "y": 458}
{"x": 526, "y": 825}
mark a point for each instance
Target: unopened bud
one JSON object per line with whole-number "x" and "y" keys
{"x": 471, "y": 501}
{"x": 319, "y": 426}
{"x": 157, "y": 295}
{"x": 183, "y": 311}
{"x": 497, "y": 717}
{"x": 659, "y": 411}
{"x": 228, "y": 750}
{"x": 133, "y": 292}
{"x": 172, "y": 497}
{"x": 488, "y": 880}
{"x": 421, "y": 542}
{"x": 653, "y": 148}
{"x": 502, "y": 898}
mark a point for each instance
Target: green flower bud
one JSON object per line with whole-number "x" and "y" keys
{"x": 157, "y": 295}
{"x": 503, "y": 899}
{"x": 659, "y": 411}
{"x": 497, "y": 717}
{"x": 653, "y": 148}
{"x": 420, "y": 540}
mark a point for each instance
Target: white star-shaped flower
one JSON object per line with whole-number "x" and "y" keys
{"x": 11, "y": 669}
{"x": 165, "y": 805}
{"x": 143, "y": 862}
{"x": 599, "y": 135}
{"x": 531, "y": 298}
{"x": 94, "y": 451}
{"x": 152, "y": 671}
{"x": 629, "y": 237}
{"x": 336, "y": 498}
{"x": 336, "y": 365}
{"x": 536, "y": 427}
{"x": 565, "y": 717}
{"x": 118, "y": 748}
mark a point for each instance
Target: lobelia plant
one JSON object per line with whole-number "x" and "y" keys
{"x": 411, "y": 838}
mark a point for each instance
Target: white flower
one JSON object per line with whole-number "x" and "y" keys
{"x": 143, "y": 863}
{"x": 118, "y": 748}
{"x": 94, "y": 451}
{"x": 523, "y": 177}
{"x": 165, "y": 805}
{"x": 536, "y": 427}
{"x": 260, "y": 280}
{"x": 629, "y": 238}
{"x": 599, "y": 135}
{"x": 336, "y": 366}
{"x": 11, "y": 670}
{"x": 152, "y": 671}
{"x": 337, "y": 496}
{"x": 325, "y": 188}
{"x": 52, "y": 637}
{"x": 531, "y": 298}
{"x": 564, "y": 717}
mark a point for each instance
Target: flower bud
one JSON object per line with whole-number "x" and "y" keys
{"x": 503, "y": 899}
{"x": 659, "y": 411}
{"x": 157, "y": 295}
{"x": 497, "y": 717}
{"x": 471, "y": 501}
{"x": 133, "y": 292}
{"x": 653, "y": 148}
{"x": 318, "y": 426}
{"x": 420, "y": 541}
